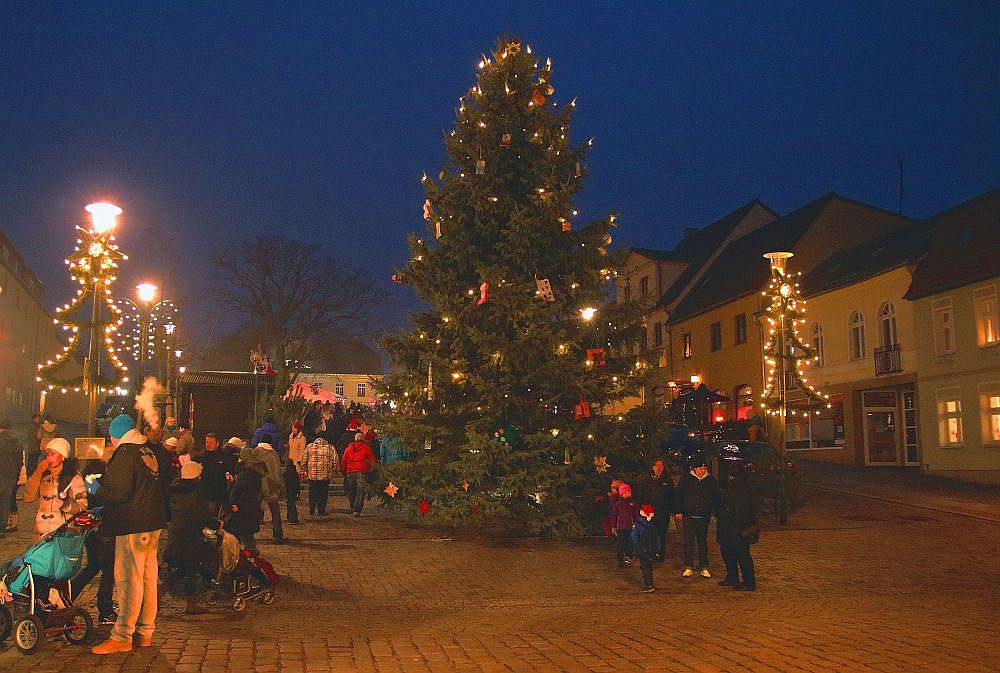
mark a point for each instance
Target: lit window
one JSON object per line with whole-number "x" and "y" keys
{"x": 991, "y": 414}
{"x": 338, "y": 388}
{"x": 857, "y": 334}
{"x": 949, "y": 418}
{"x": 686, "y": 340}
{"x": 816, "y": 341}
{"x": 361, "y": 389}
{"x": 987, "y": 315}
{"x": 944, "y": 327}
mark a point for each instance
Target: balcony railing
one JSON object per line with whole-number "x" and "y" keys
{"x": 887, "y": 360}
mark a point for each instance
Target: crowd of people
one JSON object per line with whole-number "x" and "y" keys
{"x": 639, "y": 519}
{"x": 160, "y": 479}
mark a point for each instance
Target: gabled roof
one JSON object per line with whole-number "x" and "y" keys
{"x": 204, "y": 378}
{"x": 964, "y": 248}
{"x": 658, "y": 255}
{"x": 740, "y": 269}
{"x": 698, "y": 245}
{"x": 905, "y": 245}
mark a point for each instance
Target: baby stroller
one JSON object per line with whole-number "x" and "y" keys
{"x": 241, "y": 577}
{"x": 35, "y": 588}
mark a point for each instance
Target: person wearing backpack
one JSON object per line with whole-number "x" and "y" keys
{"x": 272, "y": 488}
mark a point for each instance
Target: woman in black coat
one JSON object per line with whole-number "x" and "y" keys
{"x": 187, "y": 551}
{"x": 244, "y": 501}
{"x": 738, "y": 529}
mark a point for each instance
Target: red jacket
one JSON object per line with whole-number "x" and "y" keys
{"x": 358, "y": 457}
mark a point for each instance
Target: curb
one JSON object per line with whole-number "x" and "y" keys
{"x": 908, "y": 503}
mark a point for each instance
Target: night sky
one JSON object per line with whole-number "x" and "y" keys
{"x": 212, "y": 122}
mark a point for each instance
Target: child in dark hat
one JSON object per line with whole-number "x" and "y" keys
{"x": 646, "y": 545}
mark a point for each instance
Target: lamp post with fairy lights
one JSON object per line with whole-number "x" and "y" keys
{"x": 785, "y": 354}
{"x": 94, "y": 265}
{"x": 149, "y": 328}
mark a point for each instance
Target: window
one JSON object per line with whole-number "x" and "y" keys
{"x": 949, "y": 417}
{"x": 744, "y": 402}
{"x": 887, "y": 325}
{"x": 338, "y": 388}
{"x": 987, "y": 315}
{"x": 644, "y": 286}
{"x": 715, "y": 335}
{"x": 686, "y": 341}
{"x": 990, "y": 396}
{"x": 816, "y": 341}
{"x": 857, "y": 335}
{"x": 658, "y": 335}
{"x": 740, "y": 328}
{"x": 944, "y": 327}
{"x": 361, "y": 389}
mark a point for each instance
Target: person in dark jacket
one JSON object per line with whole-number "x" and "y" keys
{"x": 268, "y": 434}
{"x": 11, "y": 460}
{"x": 133, "y": 492}
{"x": 624, "y": 511}
{"x": 218, "y": 466}
{"x": 657, "y": 489}
{"x": 645, "y": 544}
{"x": 696, "y": 499}
{"x": 187, "y": 550}
{"x": 738, "y": 528}
{"x": 312, "y": 421}
{"x": 100, "y": 559}
{"x": 245, "y": 498}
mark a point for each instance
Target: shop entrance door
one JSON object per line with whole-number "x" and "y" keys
{"x": 881, "y": 426}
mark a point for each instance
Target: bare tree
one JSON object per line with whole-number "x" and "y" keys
{"x": 293, "y": 293}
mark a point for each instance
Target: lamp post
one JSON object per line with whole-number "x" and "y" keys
{"x": 146, "y": 317}
{"x": 778, "y": 262}
{"x": 104, "y": 217}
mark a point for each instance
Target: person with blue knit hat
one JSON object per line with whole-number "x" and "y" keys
{"x": 133, "y": 492}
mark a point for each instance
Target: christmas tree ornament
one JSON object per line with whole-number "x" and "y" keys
{"x": 543, "y": 289}
{"x": 427, "y": 209}
{"x": 481, "y": 167}
{"x": 601, "y": 464}
{"x": 567, "y": 226}
{"x": 508, "y": 434}
{"x": 566, "y": 457}
{"x": 538, "y": 98}
{"x": 424, "y": 507}
{"x": 581, "y": 410}
{"x": 596, "y": 356}
{"x": 513, "y": 47}
{"x": 484, "y": 293}
{"x": 505, "y": 141}
{"x": 392, "y": 490}
{"x": 430, "y": 381}
{"x": 578, "y": 170}
{"x": 465, "y": 485}
{"x": 437, "y": 228}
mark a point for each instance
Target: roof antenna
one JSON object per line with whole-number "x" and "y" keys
{"x": 899, "y": 162}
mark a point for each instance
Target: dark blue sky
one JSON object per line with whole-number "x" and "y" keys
{"x": 212, "y": 122}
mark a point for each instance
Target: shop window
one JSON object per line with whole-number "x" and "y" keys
{"x": 658, "y": 335}
{"x": 361, "y": 389}
{"x": 887, "y": 325}
{"x": 990, "y": 400}
{"x": 857, "y": 335}
{"x": 338, "y": 388}
{"x": 944, "y": 327}
{"x": 949, "y": 407}
{"x": 740, "y": 328}
{"x": 824, "y": 430}
{"x": 744, "y": 403}
{"x": 816, "y": 341}
{"x": 987, "y": 315}
{"x": 686, "y": 344}
{"x": 715, "y": 331}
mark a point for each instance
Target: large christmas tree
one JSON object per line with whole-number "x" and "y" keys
{"x": 505, "y": 388}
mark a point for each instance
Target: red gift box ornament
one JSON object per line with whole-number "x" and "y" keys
{"x": 484, "y": 293}
{"x": 543, "y": 289}
{"x": 596, "y": 356}
{"x": 581, "y": 410}
{"x": 505, "y": 141}
{"x": 538, "y": 98}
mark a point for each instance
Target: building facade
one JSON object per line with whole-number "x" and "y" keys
{"x": 955, "y": 292}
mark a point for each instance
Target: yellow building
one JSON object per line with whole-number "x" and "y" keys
{"x": 955, "y": 292}
{"x": 356, "y": 388}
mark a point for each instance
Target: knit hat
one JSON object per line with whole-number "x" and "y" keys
{"x": 171, "y": 442}
{"x": 625, "y": 491}
{"x": 698, "y": 460}
{"x": 265, "y": 446}
{"x": 59, "y": 445}
{"x": 296, "y": 425}
{"x": 235, "y": 441}
{"x": 122, "y": 424}
{"x": 646, "y": 511}
{"x": 191, "y": 470}
{"x": 359, "y": 436}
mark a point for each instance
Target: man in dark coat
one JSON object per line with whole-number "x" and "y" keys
{"x": 696, "y": 499}
{"x": 738, "y": 529}
{"x": 312, "y": 421}
{"x": 217, "y": 467}
{"x": 245, "y": 498}
{"x": 133, "y": 492}
{"x": 11, "y": 459}
{"x": 657, "y": 489}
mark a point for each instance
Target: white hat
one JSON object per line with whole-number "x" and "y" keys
{"x": 235, "y": 441}
{"x": 59, "y": 445}
{"x": 191, "y": 470}
{"x": 171, "y": 441}
{"x": 265, "y": 446}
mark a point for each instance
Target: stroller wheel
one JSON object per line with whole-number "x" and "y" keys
{"x": 215, "y": 597}
{"x": 267, "y": 597}
{"x": 239, "y": 604}
{"x": 6, "y": 623}
{"x": 29, "y": 634}
{"x": 79, "y": 628}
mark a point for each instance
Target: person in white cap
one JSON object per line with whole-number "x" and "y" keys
{"x": 60, "y": 488}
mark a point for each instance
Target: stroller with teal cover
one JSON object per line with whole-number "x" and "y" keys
{"x": 36, "y": 589}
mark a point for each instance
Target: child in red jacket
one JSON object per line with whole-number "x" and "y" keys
{"x": 357, "y": 463}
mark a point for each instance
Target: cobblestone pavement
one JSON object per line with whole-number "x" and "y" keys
{"x": 853, "y": 585}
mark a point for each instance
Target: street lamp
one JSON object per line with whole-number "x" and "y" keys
{"x": 146, "y": 318}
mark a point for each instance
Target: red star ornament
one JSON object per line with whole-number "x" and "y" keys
{"x": 465, "y": 486}
{"x": 392, "y": 490}
{"x": 424, "y": 507}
